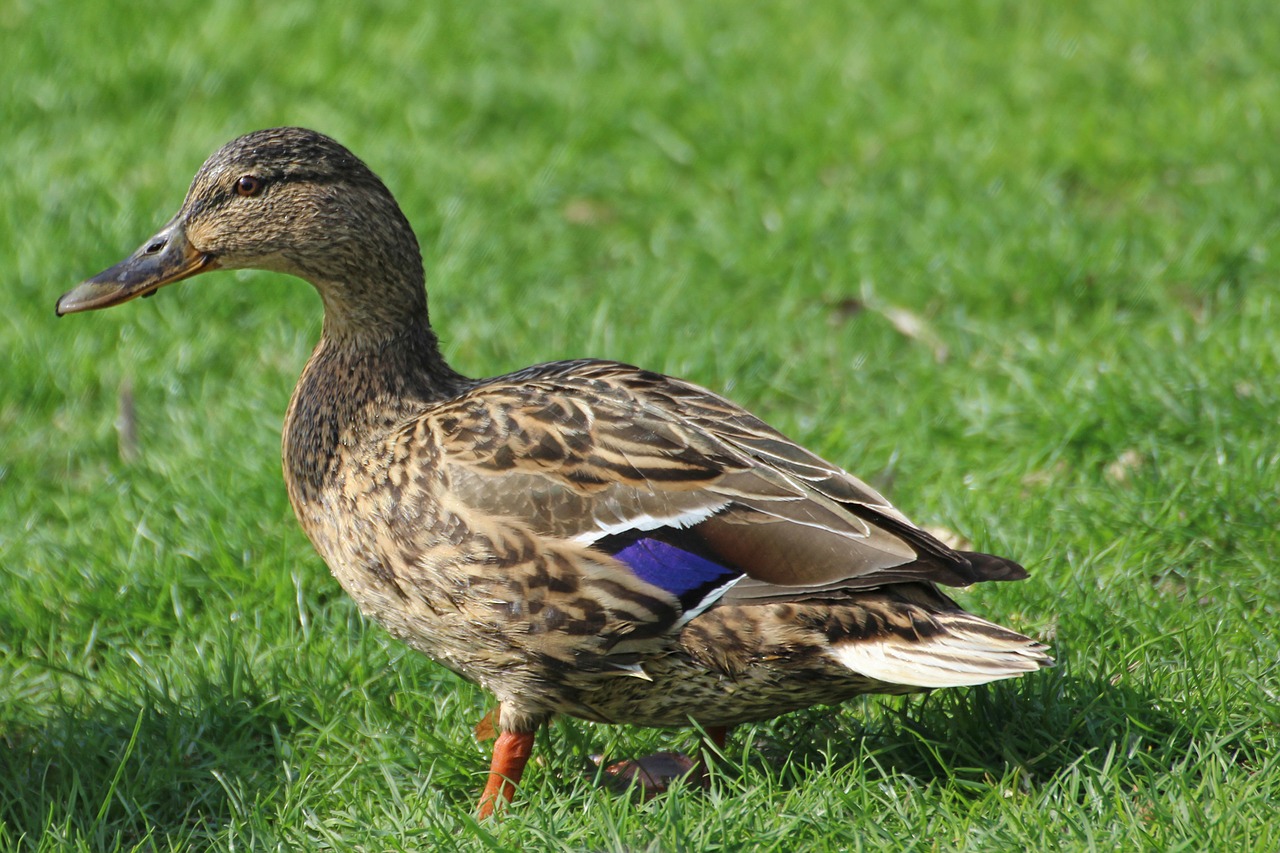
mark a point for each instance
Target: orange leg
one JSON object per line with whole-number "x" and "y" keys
{"x": 510, "y": 755}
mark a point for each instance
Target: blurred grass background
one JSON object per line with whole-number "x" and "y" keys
{"x": 1014, "y": 263}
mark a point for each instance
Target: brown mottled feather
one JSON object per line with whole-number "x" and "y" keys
{"x": 464, "y": 515}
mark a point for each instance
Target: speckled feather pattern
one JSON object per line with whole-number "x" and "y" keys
{"x": 479, "y": 520}
{"x": 458, "y": 526}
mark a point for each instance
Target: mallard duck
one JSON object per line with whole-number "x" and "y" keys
{"x": 580, "y": 537}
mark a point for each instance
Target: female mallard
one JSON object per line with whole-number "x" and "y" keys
{"x": 581, "y": 537}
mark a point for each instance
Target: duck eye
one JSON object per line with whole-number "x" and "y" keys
{"x": 248, "y": 186}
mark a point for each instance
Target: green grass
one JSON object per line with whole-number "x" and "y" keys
{"x": 1078, "y": 207}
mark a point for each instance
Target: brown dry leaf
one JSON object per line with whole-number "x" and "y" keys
{"x": 1042, "y": 477}
{"x": 1119, "y": 470}
{"x": 127, "y": 424}
{"x": 586, "y": 211}
{"x": 844, "y": 308}
{"x": 913, "y": 326}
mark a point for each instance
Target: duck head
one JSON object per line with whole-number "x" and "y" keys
{"x": 287, "y": 200}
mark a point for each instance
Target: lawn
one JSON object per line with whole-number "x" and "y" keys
{"x": 1016, "y": 264}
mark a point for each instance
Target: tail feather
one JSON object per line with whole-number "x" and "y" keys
{"x": 967, "y": 650}
{"x": 989, "y": 567}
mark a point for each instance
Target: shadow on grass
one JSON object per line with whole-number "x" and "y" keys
{"x": 1038, "y": 727}
{"x": 1025, "y": 732}
{"x": 162, "y": 765}
{"x": 120, "y": 772}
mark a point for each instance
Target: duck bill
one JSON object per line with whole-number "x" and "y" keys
{"x": 165, "y": 258}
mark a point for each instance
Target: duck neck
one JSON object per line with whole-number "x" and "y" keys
{"x": 368, "y": 306}
{"x": 377, "y": 363}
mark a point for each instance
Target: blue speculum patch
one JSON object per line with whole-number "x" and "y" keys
{"x": 685, "y": 575}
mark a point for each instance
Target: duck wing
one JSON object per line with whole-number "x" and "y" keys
{"x": 683, "y": 489}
